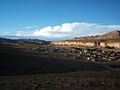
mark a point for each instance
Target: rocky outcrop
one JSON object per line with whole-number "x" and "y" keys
{"x": 74, "y": 43}
{"x": 114, "y": 44}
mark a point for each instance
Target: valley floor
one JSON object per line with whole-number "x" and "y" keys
{"x": 81, "y": 80}
{"x": 21, "y": 69}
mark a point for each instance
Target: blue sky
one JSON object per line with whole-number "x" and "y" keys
{"x": 32, "y": 17}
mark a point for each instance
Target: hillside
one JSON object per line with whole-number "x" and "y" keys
{"x": 110, "y": 35}
{"x": 27, "y": 71}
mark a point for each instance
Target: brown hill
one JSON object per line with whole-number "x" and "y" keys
{"x": 110, "y": 35}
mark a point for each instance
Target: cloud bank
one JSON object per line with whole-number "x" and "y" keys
{"x": 68, "y": 30}
{"x": 76, "y": 29}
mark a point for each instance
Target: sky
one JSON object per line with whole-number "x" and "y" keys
{"x": 58, "y": 19}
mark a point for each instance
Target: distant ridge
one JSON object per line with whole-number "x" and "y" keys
{"x": 37, "y": 41}
{"x": 110, "y": 35}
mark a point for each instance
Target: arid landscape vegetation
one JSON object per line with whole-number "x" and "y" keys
{"x": 39, "y": 65}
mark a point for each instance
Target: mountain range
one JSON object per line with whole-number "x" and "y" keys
{"x": 37, "y": 41}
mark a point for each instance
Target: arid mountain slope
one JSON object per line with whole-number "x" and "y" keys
{"x": 110, "y": 35}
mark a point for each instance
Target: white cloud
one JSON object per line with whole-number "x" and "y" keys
{"x": 30, "y": 27}
{"x": 27, "y": 27}
{"x": 18, "y": 33}
{"x": 67, "y": 30}
{"x": 76, "y": 29}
